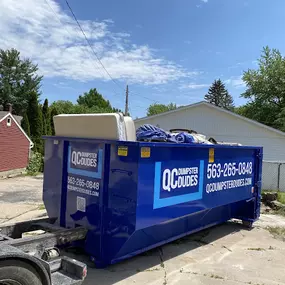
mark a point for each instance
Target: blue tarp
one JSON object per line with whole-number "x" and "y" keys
{"x": 149, "y": 132}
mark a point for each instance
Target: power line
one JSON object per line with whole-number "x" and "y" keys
{"x": 136, "y": 94}
{"x": 97, "y": 68}
{"x": 88, "y": 42}
{"x": 91, "y": 46}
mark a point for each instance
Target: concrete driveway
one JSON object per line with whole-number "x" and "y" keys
{"x": 20, "y": 196}
{"x": 226, "y": 254}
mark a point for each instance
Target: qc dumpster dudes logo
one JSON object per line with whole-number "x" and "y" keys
{"x": 174, "y": 185}
{"x": 179, "y": 178}
{"x": 84, "y": 160}
{"x": 84, "y": 168}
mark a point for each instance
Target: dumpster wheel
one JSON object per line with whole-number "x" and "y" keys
{"x": 247, "y": 224}
{"x": 15, "y": 272}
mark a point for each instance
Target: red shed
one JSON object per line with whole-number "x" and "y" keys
{"x": 15, "y": 145}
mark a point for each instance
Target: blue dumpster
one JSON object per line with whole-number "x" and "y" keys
{"x": 134, "y": 196}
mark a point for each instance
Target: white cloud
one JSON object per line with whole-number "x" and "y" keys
{"x": 63, "y": 85}
{"x": 236, "y": 81}
{"x": 255, "y": 62}
{"x": 193, "y": 86}
{"x": 205, "y": 1}
{"x": 51, "y": 38}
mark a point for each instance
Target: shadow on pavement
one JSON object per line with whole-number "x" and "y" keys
{"x": 155, "y": 257}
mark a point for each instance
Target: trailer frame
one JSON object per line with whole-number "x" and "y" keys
{"x": 39, "y": 254}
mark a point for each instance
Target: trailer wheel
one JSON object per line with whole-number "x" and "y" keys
{"x": 16, "y": 272}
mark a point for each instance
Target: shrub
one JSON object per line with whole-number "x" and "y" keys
{"x": 35, "y": 164}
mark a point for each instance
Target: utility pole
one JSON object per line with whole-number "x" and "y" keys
{"x": 127, "y": 101}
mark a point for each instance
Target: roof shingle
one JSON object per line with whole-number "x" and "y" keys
{"x": 17, "y": 118}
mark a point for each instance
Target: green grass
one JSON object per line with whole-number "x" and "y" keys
{"x": 277, "y": 232}
{"x": 280, "y": 212}
{"x": 281, "y": 197}
{"x": 42, "y": 207}
{"x": 256, "y": 248}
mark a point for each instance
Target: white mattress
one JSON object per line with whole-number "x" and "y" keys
{"x": 111, "y": 126}
{"x": 130, "y": 129}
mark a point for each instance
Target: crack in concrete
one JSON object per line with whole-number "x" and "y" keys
{"x": 227, "y": 248}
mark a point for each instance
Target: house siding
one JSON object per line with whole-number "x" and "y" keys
{"x": 14, "y": 147}
{"x": 223, "y": 127}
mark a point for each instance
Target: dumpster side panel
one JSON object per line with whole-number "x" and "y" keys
{"x": 84, "y": 185}
{"x": 53, "y": 175}
{"x": 249, "y": 210}
{"x": 157, "y": 235}
{"x": 205, "y": 197}
{"x": 74, "y": 184}
{"x": 178, "y": 181}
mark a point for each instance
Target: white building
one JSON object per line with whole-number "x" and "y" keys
{"x": 222, "y": 125}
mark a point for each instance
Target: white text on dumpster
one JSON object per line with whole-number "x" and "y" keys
{"x": 179, "y": 178}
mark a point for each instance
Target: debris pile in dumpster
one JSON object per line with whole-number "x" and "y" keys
{"x": 151, "y": 133}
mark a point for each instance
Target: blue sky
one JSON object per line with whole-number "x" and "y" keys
{"x": 167, "y": 51}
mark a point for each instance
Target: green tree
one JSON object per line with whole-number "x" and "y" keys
{"x": 26, "y": 125}
{"x": 46, "y": 118}
{"x": 63, "y": 107}
{"x": 45, "y": 107}
{"x": 44, "y": 126}
{"x": 36, "y": 124}
{"x": 266, "y": 89}
{"x": 116, "y": 110}
{"x": 18, "y": 78}
{"x": 89, "y": 102}
{"x": 53, "y": 112}
{"x": 67, "y": 107}
{"x": 219, "y": 96}
{"x": 155, "y": 108}
{"x": 92, "y": 99}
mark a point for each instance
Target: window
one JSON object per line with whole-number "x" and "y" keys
{"x": 9, "y": 121}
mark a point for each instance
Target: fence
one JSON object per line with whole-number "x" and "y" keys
{"x": 273, "y": 175}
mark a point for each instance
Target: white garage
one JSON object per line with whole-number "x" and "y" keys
{"x": 222, "y": 125}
